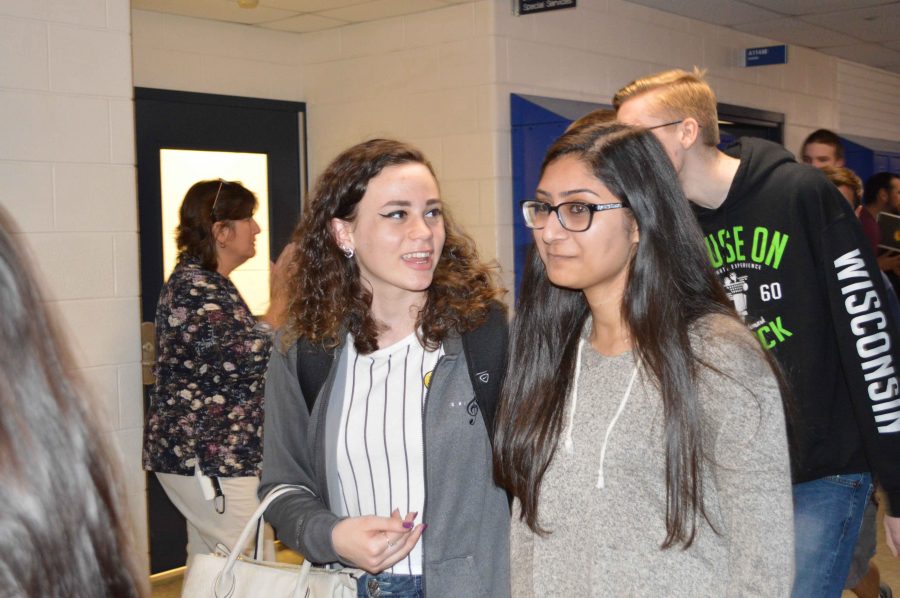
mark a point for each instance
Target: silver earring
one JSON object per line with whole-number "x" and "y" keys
{"x": 348, "y": 251}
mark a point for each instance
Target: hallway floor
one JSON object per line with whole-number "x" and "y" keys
{"x": 168, "y": 585}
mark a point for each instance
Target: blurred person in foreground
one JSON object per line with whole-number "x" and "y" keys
{"x": 63, "y": 529}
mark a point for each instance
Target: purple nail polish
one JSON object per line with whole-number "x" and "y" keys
{"x": 408, "y": 524}
{"x": 424, "y": 526}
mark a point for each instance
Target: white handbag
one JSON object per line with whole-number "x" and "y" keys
{"x": 235, "y": 576}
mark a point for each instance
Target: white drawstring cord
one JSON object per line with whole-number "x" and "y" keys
{"x": 600, "y": 480}
{"x": 568, "y": 442}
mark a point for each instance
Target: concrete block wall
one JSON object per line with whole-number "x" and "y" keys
{"x": 187, "y": 54}
{"x": 868, "y": 101}
{"x": 426, "y": 78}
{"x": 589, "y": 52}
{"x": 67, "y": 177}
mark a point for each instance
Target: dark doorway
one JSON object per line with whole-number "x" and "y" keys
{"x": 273, "y": 132}
{"x": 739, "y": 121}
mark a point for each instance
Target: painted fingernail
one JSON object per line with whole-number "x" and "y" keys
{"x": 424, "y": 526}
{"x": 408, "y": 524}
{"x": 414, "y": 514}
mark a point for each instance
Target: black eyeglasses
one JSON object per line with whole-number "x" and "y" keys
{"x": 574, "y": 216}
{"x": 668, "y": 124}
{"x": 212, "y": 212}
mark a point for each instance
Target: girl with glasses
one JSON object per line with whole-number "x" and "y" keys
{"x": 641, "y": 428}
{"x": 375, "y": 402}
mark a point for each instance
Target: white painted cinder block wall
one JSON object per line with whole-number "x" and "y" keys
{"x": 426, "y": 78}
{"x": 588, "y": 53}
{"x": 67, "y": 177}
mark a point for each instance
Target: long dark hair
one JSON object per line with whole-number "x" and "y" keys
{"x": 670, "y": 285}
{"x": 62, "y": 511}
{"x": 328, "y": 295}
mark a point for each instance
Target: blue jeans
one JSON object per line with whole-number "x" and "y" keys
{"x": 827, "y": 516}
{"x": 389, "y": 585}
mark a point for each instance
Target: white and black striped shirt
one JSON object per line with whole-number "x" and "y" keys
{"x": 380, "y": 453}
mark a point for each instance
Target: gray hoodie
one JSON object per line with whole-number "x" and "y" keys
{"x": 603, "y": 498}
{"x": 466, "y": 549}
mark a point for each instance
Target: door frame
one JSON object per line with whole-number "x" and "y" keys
{"x": 166, "y": 527}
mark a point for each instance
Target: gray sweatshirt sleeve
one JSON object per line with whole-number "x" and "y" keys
{"x": 751, "y": 465}
{"x": 302, "y": 519}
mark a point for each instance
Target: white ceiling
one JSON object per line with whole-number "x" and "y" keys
{"x": 301, "y": 16}
{"x": 864, "y": 31}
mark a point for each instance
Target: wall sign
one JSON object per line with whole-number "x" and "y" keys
{"x": 527, "y": 7}
{"x": 765, "y": 55}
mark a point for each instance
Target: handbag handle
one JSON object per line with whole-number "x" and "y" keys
{"x": 225, "y": 580}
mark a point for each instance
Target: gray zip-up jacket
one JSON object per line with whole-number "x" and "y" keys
{"x": 466, "y": 545}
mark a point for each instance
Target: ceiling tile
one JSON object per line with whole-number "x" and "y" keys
{"x": 304, "y": 24}
{"x": 872, "y": 54}
{"x": 873, "y": 24}
{"x": 836, "y": 24}
{"x": 381, "y": 9}
{"x": 216, "y": 10}
{"x": 794, "y": 31}
{"x": 811, "y": 7}
{"x": 719, "y": 12}
{"x": 309, "y": 5}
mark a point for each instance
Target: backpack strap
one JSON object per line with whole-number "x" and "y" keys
{"x": 485, "y": 350}
{"x": 313, "y": 365}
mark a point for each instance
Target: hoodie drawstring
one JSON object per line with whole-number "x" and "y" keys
{"x": 568, "y": 443}
{"x": 600, "y": 481}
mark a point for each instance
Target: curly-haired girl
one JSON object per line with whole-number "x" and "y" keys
{"x": 388, "y": 300}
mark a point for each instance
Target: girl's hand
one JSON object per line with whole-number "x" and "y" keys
{"x": 279, "y": 273}
{"x": 376, "y": 543}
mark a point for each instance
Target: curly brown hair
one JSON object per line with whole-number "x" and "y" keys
{"x": 328, "y": 298}
{"x": 204, "y": 204}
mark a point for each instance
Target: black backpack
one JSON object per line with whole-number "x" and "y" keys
{"x": 484, "y": 347}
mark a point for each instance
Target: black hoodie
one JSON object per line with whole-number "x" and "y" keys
{"x": 794, "y": 260}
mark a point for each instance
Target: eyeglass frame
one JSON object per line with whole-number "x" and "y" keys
{"x": 592, "y": 208}
{"x": 212, "y": 211}
{"x": 668, "y": 124}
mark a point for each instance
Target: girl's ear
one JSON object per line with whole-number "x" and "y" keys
{"x": 343, "y": 236}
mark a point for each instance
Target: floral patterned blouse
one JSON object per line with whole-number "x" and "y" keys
{"x": 207, "y": 403}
